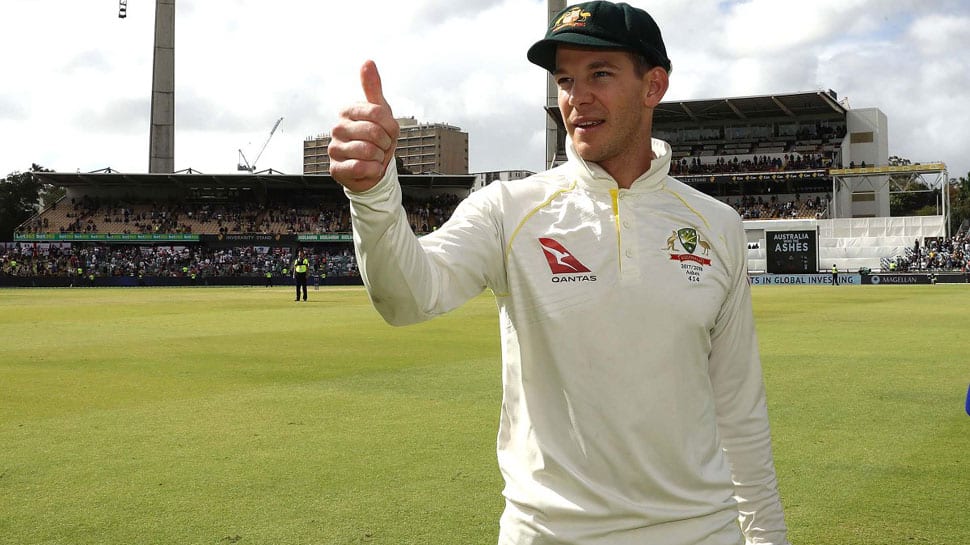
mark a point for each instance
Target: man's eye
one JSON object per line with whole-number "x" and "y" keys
{"x": 563, "y": 82}
{"x": 601, "y": 74}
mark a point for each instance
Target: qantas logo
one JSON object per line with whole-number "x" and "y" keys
{"x": 562, "y": 261}
{"x": 559, "y": 258}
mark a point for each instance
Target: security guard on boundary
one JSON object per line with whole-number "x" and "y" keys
{"x": 300, "y": 267}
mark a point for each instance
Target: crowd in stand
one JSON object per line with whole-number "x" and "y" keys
{"x": 427, "y": 215}
{"x": 102, "y": 260}
{"x": 325, "y": 219}
{"x": 775, "y": 208}
{"x": 93, "y": 215}
{"x": 760, "y": 163}
{"x": 948, "y": 254}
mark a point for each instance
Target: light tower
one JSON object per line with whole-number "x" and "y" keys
{"x": 161, "y": 140}
{"x": 555, "y": 130}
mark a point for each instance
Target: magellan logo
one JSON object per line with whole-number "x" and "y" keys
{"x": 562, "y": 262}
{"x": 693, "y": 265}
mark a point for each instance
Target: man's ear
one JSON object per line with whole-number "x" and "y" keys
{"x": 657, "y": 81}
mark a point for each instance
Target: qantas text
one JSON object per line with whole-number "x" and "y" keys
{"x": 574, "y": 278}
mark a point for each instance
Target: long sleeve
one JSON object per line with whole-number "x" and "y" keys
{"x": 742, "y": 414}
{"x": 411, "y": 280}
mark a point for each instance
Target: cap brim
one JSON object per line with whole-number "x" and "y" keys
{"x": 543, "y": 52}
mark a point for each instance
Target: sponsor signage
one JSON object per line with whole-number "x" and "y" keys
{"x": 918, "y": 278}
{"x": 802, "y": 279}
{"x": 275, "y": 240}
{"x": 563, "y": 265}
{"x": 103, "y": 237}
{"x": 327, "y": 237}
{"x": 754, "y": 177}
{"x": 898, "y": 279}
{"x": 791, "y": 252}
{"x": 889, "y": 169}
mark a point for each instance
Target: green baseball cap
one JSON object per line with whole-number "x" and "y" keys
{"x": 602, "y": 25}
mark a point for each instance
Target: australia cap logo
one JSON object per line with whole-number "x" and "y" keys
{"x": 575, "y": 17}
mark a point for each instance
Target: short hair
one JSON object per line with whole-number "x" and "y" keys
{"x": 641, "y": 64}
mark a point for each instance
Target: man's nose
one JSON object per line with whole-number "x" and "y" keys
{"x": 579, "y": 93}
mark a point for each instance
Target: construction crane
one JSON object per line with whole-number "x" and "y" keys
{"x": 244, "y": 163}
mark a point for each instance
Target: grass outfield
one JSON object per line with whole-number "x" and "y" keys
{"x": 235, "y": 415}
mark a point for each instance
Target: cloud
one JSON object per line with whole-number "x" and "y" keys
{"x": 760, "y": 27}
{"x": 115, "y": 115}
{"x": 240, "y": 65}
{"x": 940, "y": 34}
{"x": 436, "y": 12}
{"x": 11, "y": 109}
{"x": 90, "y": 60}
{"x": 196, "y": 112}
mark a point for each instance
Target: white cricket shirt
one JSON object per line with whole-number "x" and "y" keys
{"x": 633, "y": 405}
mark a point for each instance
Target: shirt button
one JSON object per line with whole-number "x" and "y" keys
{"x": 629, "y": 253}
{"x": 626, "y": 225}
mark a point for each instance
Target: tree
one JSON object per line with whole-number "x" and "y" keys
{"x": 911, "y": 197}
{"x": 20, "y": 195}
{"x": 959, "y": 202}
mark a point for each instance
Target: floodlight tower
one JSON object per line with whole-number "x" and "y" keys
{"x": 161, "y": 136}
{"x": 555, "y": 130}
{"x": 161, "y": 140}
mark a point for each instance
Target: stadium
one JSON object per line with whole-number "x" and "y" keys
{"x": 798, "y": 165}
{"x": 795, "y": 165}
{"x": 199, "y": 404}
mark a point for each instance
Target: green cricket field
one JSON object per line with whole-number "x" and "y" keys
{"x": 236, "y": 415}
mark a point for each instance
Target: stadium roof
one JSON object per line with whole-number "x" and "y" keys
{"x": 719, "y": 110}
{"x": 119, "y": 180}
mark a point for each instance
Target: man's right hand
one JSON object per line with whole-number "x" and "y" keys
{"x": 363, "y": 140}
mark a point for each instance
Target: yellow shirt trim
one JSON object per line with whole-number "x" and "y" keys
{"x": 515, "y": 233}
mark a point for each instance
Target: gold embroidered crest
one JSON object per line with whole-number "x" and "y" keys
{"x": 575, "y": 17}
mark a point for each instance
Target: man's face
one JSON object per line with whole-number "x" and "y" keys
{"x": 606, "y": 106}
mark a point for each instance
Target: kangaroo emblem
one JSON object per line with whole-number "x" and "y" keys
{"x": 671, "y": 240}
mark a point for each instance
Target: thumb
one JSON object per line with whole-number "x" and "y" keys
{"x": 370, "y": 81}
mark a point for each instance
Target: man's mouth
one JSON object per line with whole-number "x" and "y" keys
{"x": 588, "y": 124}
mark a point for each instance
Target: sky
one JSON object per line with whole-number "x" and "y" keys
{"x": 75, "y": 79}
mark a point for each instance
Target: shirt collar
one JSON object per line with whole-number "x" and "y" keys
{"x": 595, "y": 177}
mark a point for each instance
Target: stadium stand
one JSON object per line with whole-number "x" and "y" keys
{"x": 789, "y": 162}
{"x": 193, "y": 228}
{"x": 947, "y": 254}
{"x": 784, "y": 162}
{"x": 766, "y": 156}
{"x": 166, "y": 261}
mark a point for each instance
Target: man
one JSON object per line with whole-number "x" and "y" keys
{"x": 835, "y": 275}
{"x": 633, "y": 405}
{"x": 300, "y": 267}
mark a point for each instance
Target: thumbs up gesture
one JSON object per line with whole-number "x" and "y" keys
{"x": 363, "y": 140}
